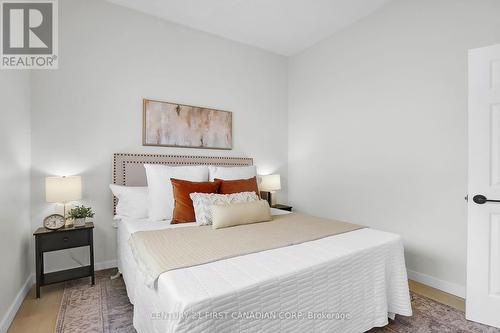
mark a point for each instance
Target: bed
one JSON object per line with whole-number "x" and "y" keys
{"x": 349, "y": 282}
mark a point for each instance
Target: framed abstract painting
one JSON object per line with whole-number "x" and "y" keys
{"x": 178, "y": 125}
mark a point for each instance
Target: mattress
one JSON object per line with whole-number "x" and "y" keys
{"x": 345, "y": 283}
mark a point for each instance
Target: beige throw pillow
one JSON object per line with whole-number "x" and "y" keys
{"x": 224, "y": 216}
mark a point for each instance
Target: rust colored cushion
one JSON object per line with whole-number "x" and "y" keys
{"x": 238, "y": 185}
{"x": 183, "y": 205}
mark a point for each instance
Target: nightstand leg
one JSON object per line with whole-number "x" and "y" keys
{"x": 91, "y": 236}
{"x": 38, "y": 266}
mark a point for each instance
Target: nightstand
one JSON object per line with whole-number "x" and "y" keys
{"x": 65, "y": 238}
{"x": 282, "y": 207}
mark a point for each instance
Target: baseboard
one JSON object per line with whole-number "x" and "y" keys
{"x": 18, "y": 300}
{"x": 105, "y": 265}
{"x": 431, "y": 281}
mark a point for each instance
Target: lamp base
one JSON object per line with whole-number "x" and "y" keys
{"x": 267, "y": 196}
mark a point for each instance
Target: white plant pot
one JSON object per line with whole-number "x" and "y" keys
{"x": 79, "y": 222}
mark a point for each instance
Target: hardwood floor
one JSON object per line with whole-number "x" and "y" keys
{"x": 437, "y": 295}
{"x": 40, "y": 315}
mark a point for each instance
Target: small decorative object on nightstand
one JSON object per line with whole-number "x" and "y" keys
{"x": 65, "y": 238}
{"x": 54, "y": 222}
{"x": 79, "y": 214}
{"x": 282, "y": 207}
{"x": 268, "y": 185}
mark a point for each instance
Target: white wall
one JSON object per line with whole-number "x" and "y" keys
{"x": 91, "y": 107}
{"x": 15, "y": 236}
{"x": 377, "y": 122}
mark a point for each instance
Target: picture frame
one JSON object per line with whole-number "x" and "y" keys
{"x": 167, "y": 124}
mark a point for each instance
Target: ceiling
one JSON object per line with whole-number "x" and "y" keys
{"x": 281, "y": 26}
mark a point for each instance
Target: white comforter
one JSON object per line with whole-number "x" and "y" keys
{"x": 344, "y": 283}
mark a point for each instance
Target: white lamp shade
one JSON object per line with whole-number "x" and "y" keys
{"x": 63, "y": 189}
{"x": 270, "y": 183}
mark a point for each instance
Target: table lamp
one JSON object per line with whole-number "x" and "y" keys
{"x": 270, "y": 184}
{"x": 63, "y": 190}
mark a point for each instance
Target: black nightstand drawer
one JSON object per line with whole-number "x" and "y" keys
{"x": 64, "y": 240}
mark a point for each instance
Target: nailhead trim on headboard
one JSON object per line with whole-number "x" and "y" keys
{"x": 120, "y": 160}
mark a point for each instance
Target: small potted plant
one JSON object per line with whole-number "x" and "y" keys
{"x": 79, "y": 215}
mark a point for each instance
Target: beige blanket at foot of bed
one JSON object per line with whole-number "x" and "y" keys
{"x": 163, "y": 250}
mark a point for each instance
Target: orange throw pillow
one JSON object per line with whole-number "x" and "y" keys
{"x": 238, "y": 185}
{"x": 183, "y": 205}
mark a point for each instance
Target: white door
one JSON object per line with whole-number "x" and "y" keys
{"x": 483, "y": 243}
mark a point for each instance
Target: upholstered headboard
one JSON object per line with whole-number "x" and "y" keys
{"x": 128, "y": 169}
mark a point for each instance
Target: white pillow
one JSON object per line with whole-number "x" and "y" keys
{"x": 161, "y": 198}
{"x": 203, "y": 201}
{"x": 132, "y": 201}
{"x": 231, "y": 173}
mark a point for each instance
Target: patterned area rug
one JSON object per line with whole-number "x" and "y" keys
{"x": 104, "y": 308}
